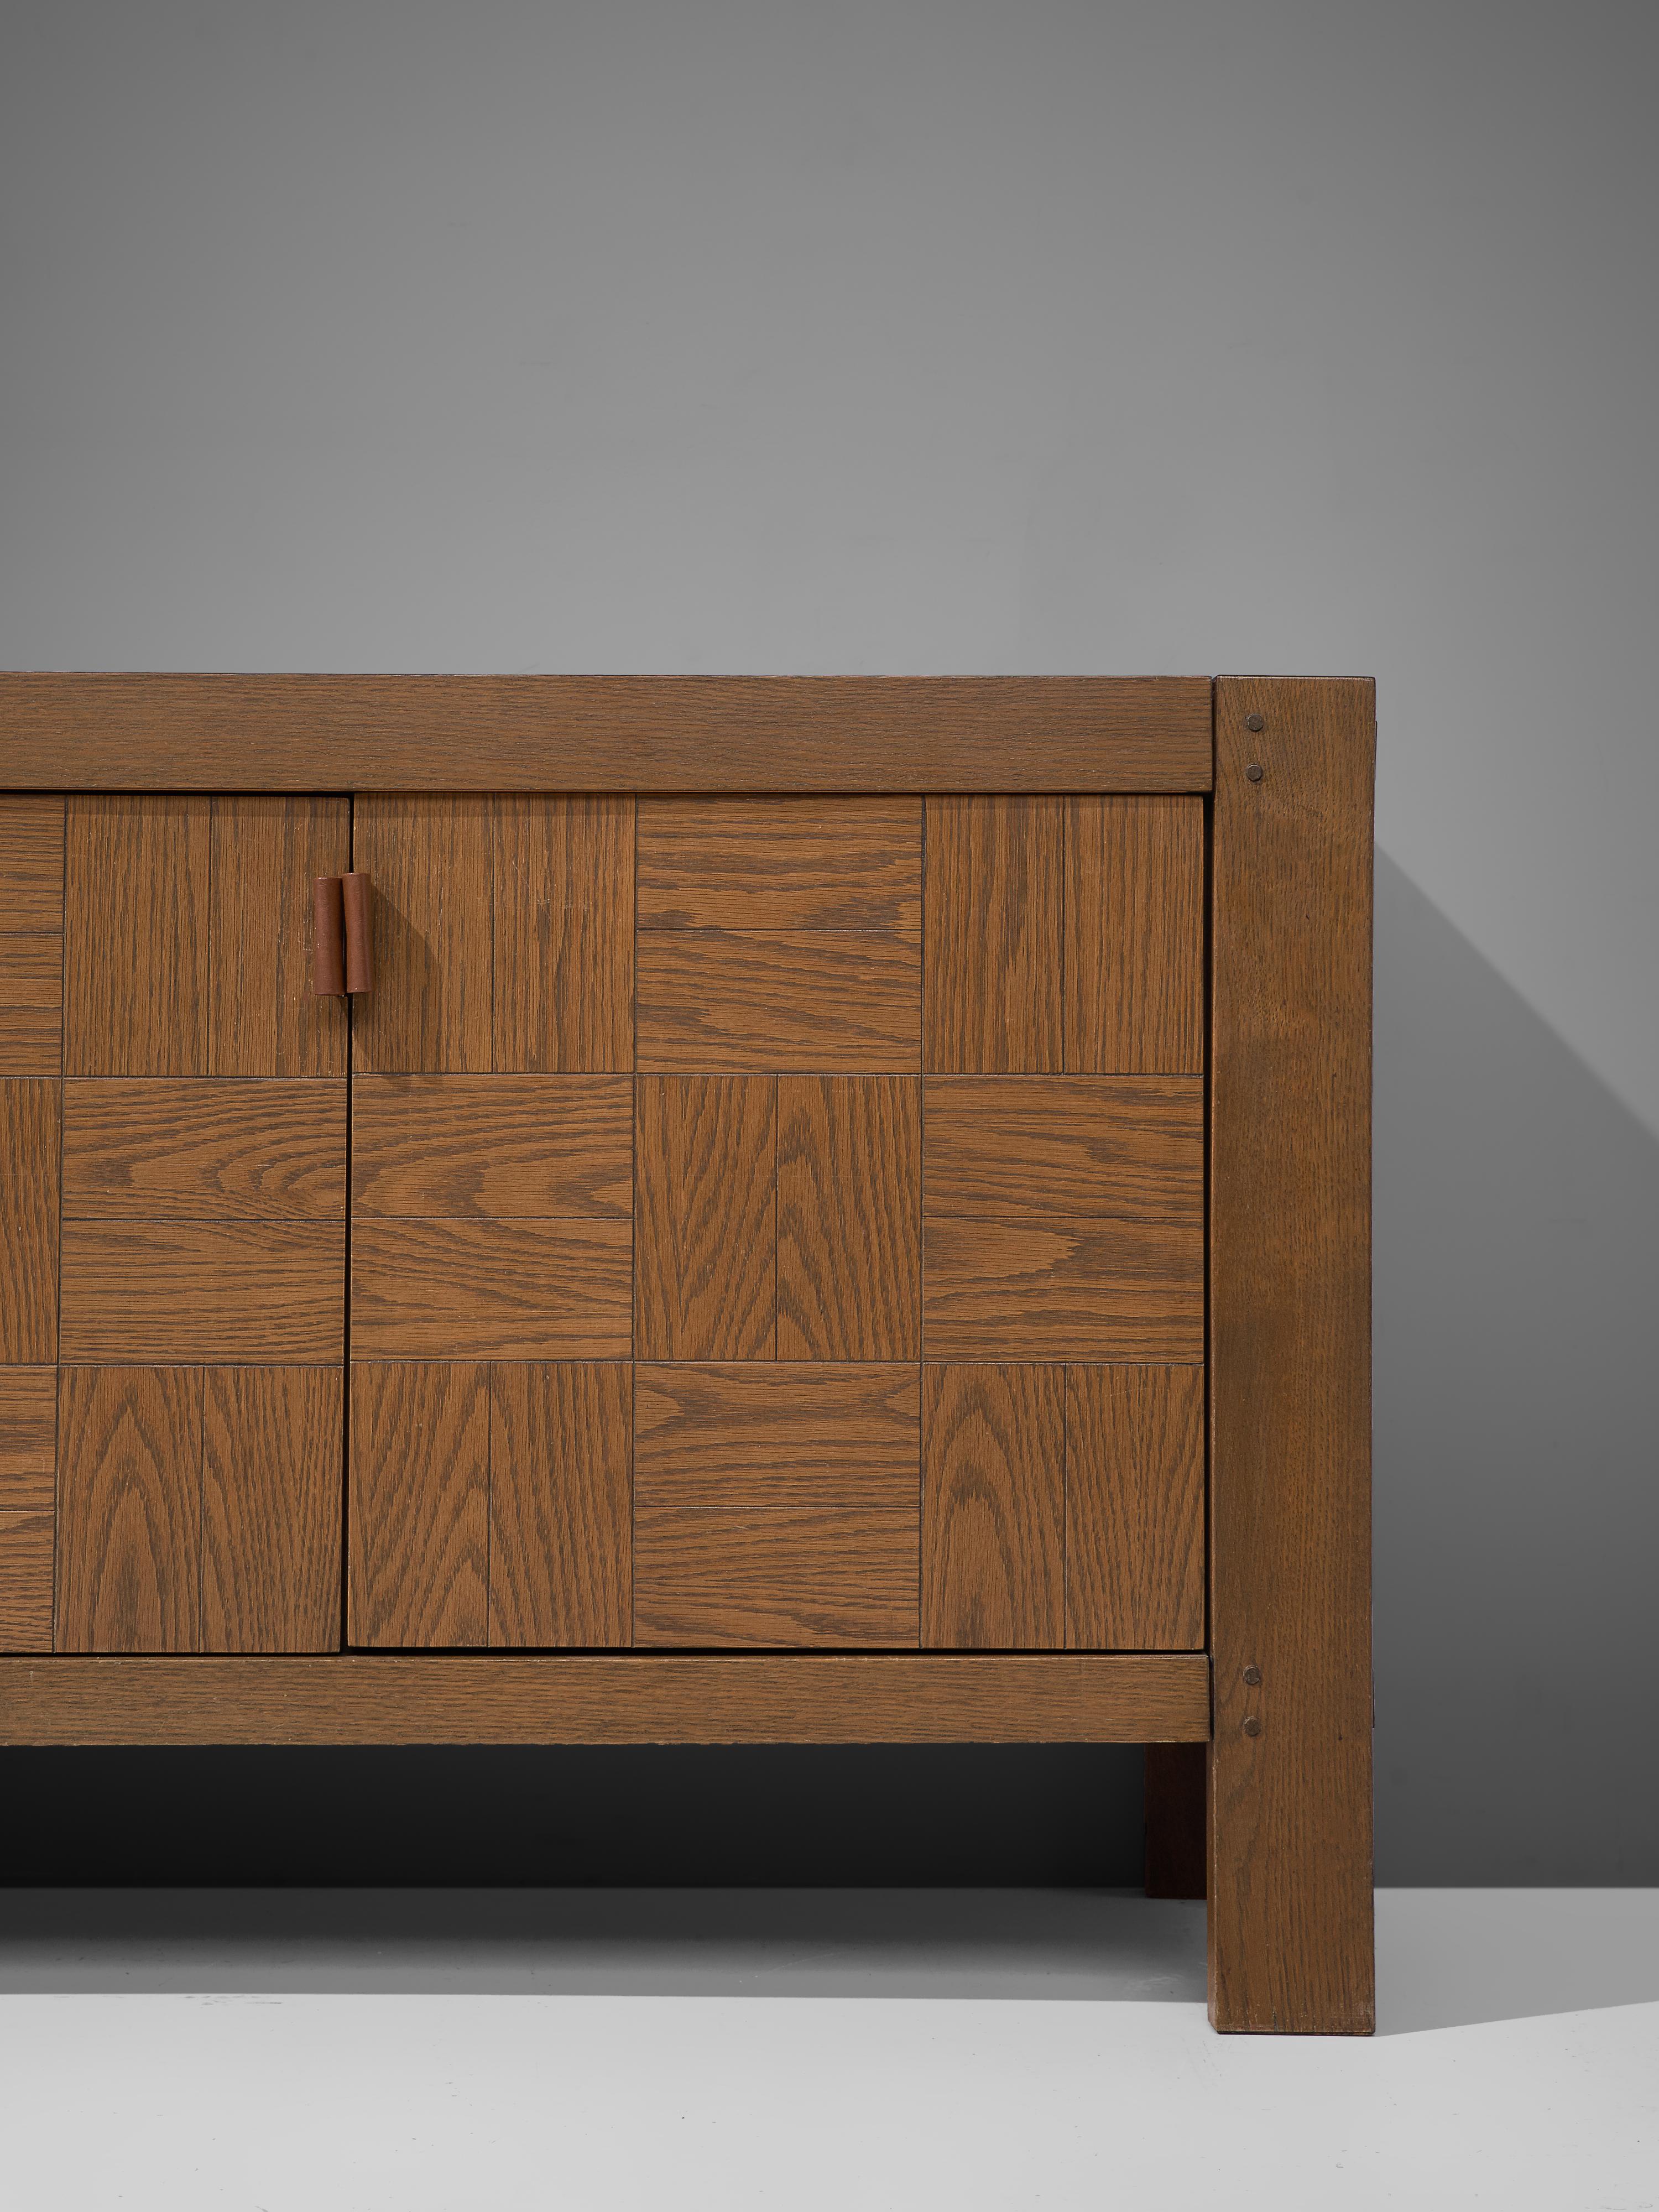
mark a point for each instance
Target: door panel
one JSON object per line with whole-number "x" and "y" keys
{"x": 271, "y": 1509}
{"x": 135, "y": 992}
{"x": 130, "y": 1509}
{"x": 877, "y": 1313}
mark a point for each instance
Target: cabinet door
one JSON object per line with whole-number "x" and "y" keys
{"x": 174, "y": 1149}
{"x": 777, "y": 1221}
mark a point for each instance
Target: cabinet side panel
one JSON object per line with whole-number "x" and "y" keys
{"x": 1290, "y": 1945}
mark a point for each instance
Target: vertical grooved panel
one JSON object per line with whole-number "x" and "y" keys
{"x": 28, "y": 1443}
{"x": 418, "y": 1544}
{"x": 560, "y": 1504}
{"x": 29, "y": 1231}
{"x": 271, "y": 1509}
{"x": 1134, "y": 1508}
{"x": 994, "y": 929}
{"x": 136, "y": 936}
{"x": 705, "y": 1233}
{"x": 262, "y": 1017}
{"x": 1134, "y": 935}
{"x": 564, "y": 935}
{"x": 431, "y": 1010}
{"x": 128, "y": 1509}
{"x": 849, "y": 1204}
{"x": 994, "y": 1511}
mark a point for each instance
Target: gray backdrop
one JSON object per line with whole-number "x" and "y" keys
{"x": 896, "y": 335}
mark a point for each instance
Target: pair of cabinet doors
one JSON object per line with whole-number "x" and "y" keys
{"x": 759, "y": 1221}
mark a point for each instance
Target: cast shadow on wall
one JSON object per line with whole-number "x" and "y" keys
{"x": 1517, "y": 1503}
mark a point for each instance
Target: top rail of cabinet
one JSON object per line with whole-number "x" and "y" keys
{"x": 640, "y": 734}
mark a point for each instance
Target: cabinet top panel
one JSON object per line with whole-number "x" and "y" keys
{"x": 635, "y": 734}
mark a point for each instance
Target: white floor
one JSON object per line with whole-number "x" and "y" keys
{"x": 425, "y": 2052}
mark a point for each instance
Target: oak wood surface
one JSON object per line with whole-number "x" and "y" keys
{"x": 1290, "y": 1945}
{"x": 417, "y": 1546}
{"x": 186, "y": 1292}
{"x": 748, "y": 1439}
{"x": 1134, "y": 1508}
{"x": 620, "y": 1698}
{"x": 136, "y": 933}
{"x": 1061, "y": 1288}
{"x": 29, "y": 1221}
{"x": 842, "y": 1002}
{"x": 619, "y": 733}
{"x": 561, "y": 1504}
{"x": 705, "y": 1272}
{"x": 31, "y": 862}
{"x": 271, "y": 1441}
{"x": 264, "y": 856}
{"x": 786, "y": 1577}
{"x": 128, "y": 1509}
{"x": 771, "y": 862}
{"x": 31, "y": 1005}
{"x": 563, "y": 934}
{"x": 995, "y": 916}
{"x": 492, "y": 1146}
{"x": 994, "y": 1507}
{"x": 849, "y": 1217}
{"x": 28, "y": 1443}
{"x": 428, "y": 859}
{"x": 1134, "y": 935}
{"x": 557, "y": 1289}
{"x": 1129, "y": 1147}
{"x": 140, "y": 1149}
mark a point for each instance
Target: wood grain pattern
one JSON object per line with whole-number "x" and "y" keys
{"x": 264, "y": 856}
{"x": 429, "y": 860}
{"x": 798, "y": 1578}
{"x": 1124, "y": 1147}
{"x": 751, "y": 1439}
{"x": 28, "y": 1222}
{"x": 993, "y": 1507}
{"x": 747, "y": 1000}
{"x": 1134, "y": 1508}
{"x": 140, "y": 1150}
{"x": 1290, "y": 1945}
{"x": 1177, "y": 1789}
{"x": 1134, "y": 935}
{"x": 174, "y": 1291}
{"x": 491, "y": 1290}
{"x": 775, "y": 1505}
{"x": 563, "y": 934}
{"x": 995, "y": 912}
{"x": 619, "y": 734}
{"x": 418, "y": 1542}
{"x": 31, "y": 1005}
{"x": 31, "y": 862}
{"x": 772, "y": 862}
{"x": 135, "y": 923}
{"x": 705, "y": 1226}
{"x": 848, "y": 1198}
{"x": 128, "y": 1509}
{"x": 614, "y": 1697}
{"x": 561, "y": 1504}
{"x": 271, "y": 1440}
{"x": 31, "y": 926}
{"x": 1061, "y": 1289}
{"x": 494, "y": 1146}
{"x": 28, "y": 1460}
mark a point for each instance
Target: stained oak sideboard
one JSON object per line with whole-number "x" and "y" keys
{"x": 565, "y": 1209}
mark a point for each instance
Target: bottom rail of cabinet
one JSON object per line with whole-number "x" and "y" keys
{"x": 610, "y": 1697}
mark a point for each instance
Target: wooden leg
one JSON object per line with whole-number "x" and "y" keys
{"x": 1290, "y": 1947}
{"x": 1177, "y": 1789}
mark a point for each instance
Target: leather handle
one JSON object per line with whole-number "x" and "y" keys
{"x": 358, "y": 900}
{"x": 328, "y": 970}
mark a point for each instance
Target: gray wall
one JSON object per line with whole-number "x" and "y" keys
{"x": 1010, "y": 336}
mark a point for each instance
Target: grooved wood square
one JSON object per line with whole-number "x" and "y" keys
{"x": 760, "y": 1000}
{"x": 130, "y": 1509}
{"x": 774, "y": 862}
{"x": 706, "y": 1278}
{"x": 29, "y": 1221}
{"x": 271, "y": 1509}
{"x": 492, "y": 1147}
{"x": 745, "y": 1437}
{"x": 31, "y": 862}
{"x": 31, "y": 1002}
{"x": 849, "y": 1244}
{"x": 491, "y": 1290}
{"x": 182, "y": 1149}
{"x": 418, "y": 1545}
{"x": 993, "y": 1507}
{"x": 198, "y": 1291}
{"x": 1134, "y": 1508}
{"x": 561, "y": 1504}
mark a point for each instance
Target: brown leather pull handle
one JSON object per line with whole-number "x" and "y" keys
{"x": 328, "y": 974}
{"x": 358, "y": 900}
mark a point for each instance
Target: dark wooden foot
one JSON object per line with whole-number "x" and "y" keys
{"x": 1177, "y": 1783}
